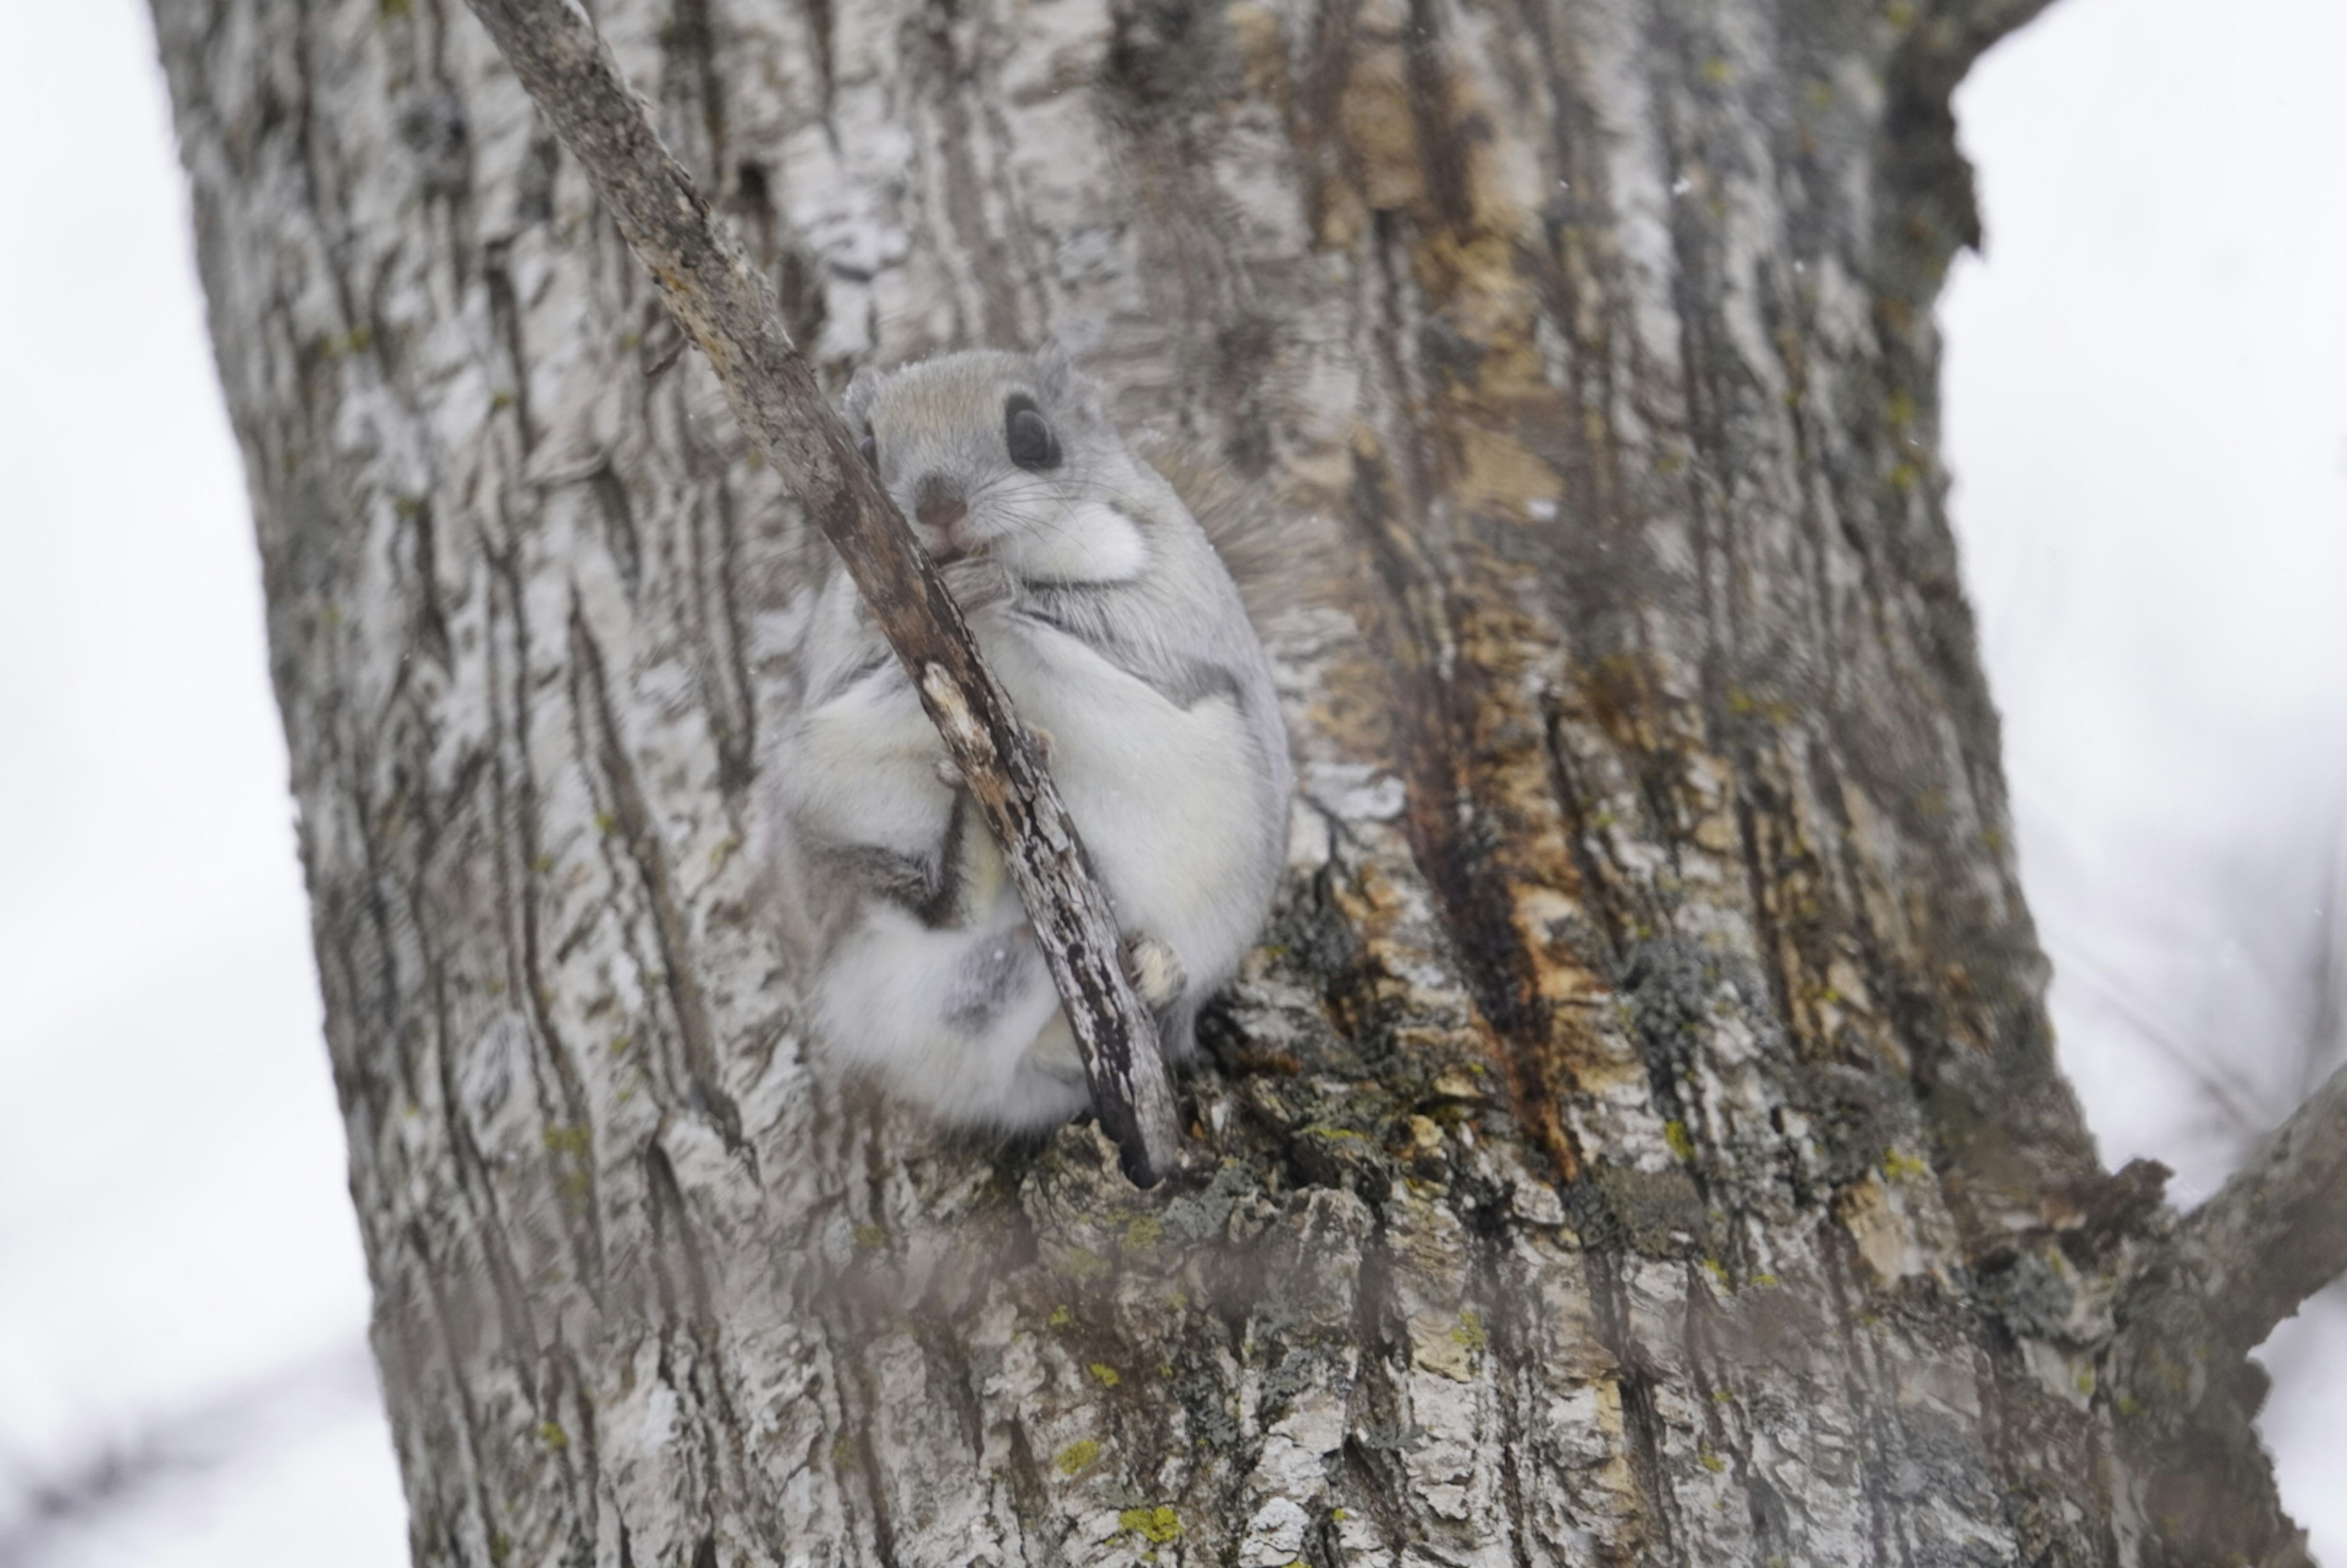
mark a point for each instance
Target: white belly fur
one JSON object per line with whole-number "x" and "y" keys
{"x": 1168, "y": 801}
{"x": 1164, "y": 795}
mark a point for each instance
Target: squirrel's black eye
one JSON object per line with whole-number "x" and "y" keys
{"x": 869, "y": 450}
{"x": 1032, "y": 444}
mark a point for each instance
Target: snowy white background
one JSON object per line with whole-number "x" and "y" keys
{"x": 2146, "y": 413}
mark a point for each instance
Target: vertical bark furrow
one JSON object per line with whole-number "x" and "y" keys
{"x": 567, "y": 1137}
{"x": 639, "y": 840}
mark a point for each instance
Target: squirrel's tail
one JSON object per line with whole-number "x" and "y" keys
{"x": 1280, "y": 559}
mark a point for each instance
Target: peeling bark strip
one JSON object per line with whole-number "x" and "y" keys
{"x": 1637, "y": 1139}
{"x": 731, "y": 313}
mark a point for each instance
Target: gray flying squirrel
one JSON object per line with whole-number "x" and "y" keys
{"x": 1106, "y": 610}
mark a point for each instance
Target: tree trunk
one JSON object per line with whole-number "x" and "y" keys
{"x": 1637, "y": 1139}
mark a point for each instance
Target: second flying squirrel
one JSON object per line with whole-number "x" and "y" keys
{"x": 1107, "y": 613}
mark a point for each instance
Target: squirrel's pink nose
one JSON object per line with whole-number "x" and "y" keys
{"x": 941, "y": 515}
{"x": 937, "y": 505}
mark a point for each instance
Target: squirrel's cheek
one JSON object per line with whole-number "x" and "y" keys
{"x": 1092, "y": 541}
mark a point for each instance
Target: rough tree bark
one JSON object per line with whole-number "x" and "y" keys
{"x": 1637, "y": 1138}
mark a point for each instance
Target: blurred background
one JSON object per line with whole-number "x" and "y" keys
{"x": 2145, "y": 414}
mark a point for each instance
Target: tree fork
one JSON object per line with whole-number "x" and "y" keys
{"x": 2198, "y": 1296}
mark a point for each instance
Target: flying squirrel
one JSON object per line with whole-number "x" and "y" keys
{"x": 1113, "y": 614}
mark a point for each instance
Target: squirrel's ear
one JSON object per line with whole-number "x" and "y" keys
{"x": 862, "y": 387}
{"x": 1055, "y": 366}
{"x": 1061, "y": 384}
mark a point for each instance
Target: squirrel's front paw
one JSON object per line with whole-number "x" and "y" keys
{"x": 977, "y": 581}
{"x": 1155, "y": 971}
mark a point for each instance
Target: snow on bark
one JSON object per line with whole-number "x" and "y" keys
{"x": 1638, "y": 1136}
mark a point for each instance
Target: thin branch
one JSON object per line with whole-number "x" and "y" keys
{"x": 2099, "y": 978}
{"x": 2277, "y": 1231}
{"x": 728, "y": 309}
{"x": 122, "y": 1476}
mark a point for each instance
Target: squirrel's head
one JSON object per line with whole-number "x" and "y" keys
{"x": 1010, "y": 455}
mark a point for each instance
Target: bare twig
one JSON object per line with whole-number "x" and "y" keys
{"x": 290, "y": 1404}
{"x": 2277, "y": 1231}
{"x": 729, "y": 311}
{"x": 2236, "y": 1114}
